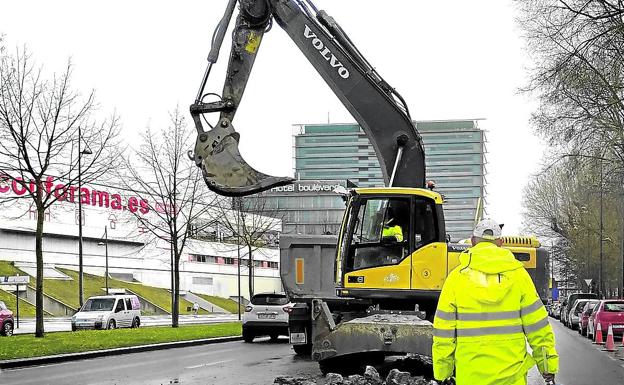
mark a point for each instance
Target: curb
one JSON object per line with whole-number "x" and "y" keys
{"x": 23, "y": 362}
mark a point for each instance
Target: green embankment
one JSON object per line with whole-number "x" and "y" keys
{"x": 66, "y": 291}
{"x": 26, "y": 309}
{"x": 25, "y": 346}
{"x": 224, "y": 303}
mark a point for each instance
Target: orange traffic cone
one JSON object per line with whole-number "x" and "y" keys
{"x": 610, "y": 347}
{"x": 598, "y": 332}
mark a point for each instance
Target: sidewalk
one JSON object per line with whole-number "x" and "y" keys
{"x": 63, "y": 324}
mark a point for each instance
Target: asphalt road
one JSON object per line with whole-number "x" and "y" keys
{"x": 582, "y": 363}
{"x": 259, "y": 363}
{"x": 227, "y": 363}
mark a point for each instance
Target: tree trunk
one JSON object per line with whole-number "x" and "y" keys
{"x": 175, "y": 312}
{"x": 251, "y": 272}
{"x": 39, "y": 330}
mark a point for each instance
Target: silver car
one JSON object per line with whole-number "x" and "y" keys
{"x": 266, "y": 315}
{"x": 574, "y": 316}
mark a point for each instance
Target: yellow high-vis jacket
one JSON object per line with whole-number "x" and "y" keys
{"x": 488, "y": 309}
{"x": 393, "y": 231}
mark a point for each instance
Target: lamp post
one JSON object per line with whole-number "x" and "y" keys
{"x": 237, "y": 200}
{"x": 105, "y": 244}
{"x": 86, "y": 151}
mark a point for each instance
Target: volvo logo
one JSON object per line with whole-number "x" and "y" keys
{"x": 325, "y": 52}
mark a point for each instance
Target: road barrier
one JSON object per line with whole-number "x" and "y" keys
{"x": 598, "y": 332}
{"x": 610, "y": 347}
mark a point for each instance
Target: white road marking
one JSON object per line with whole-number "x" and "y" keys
{"x": 208, "y": 364}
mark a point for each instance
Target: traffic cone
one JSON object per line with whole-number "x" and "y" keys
{"x": 610, "y": 346}
{"x": 598, "y": 332}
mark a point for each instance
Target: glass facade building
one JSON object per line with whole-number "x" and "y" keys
{"x": 328, "y": 155}
{"x": 454, "y": 156}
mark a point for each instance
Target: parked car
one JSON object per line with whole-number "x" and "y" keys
{"x": 266, "y": 314}
{"x": 585, "y": 314}
{"x": 553, "y": 311}
{"x": 574, "y": 316}
{"x": 6, "y": 320}
{"x": 607, "y": 312}
{"x": 569, "y": 302}
{"x": 108, "y": 312}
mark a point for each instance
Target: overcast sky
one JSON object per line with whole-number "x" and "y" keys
{"x": 452, "y": 59}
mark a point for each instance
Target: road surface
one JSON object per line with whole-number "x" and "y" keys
{"x": 235, "y": 363}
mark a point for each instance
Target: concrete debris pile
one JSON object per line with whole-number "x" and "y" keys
{"x": 370, "y": 377}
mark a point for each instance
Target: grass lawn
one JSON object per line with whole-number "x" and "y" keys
{"x": 224, "y": 303}
{"x": 24, "y": 346}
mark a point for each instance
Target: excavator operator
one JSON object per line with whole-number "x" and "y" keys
{"x": 391, "y": 228}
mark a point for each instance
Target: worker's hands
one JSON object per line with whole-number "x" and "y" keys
{"x": 549, "y": 378}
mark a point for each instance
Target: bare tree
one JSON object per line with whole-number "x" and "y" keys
{"x": 254, "y": 222}
{"x": 173, "y": 199}
{"x": 578, "y": 74}
{"x": 39, "y": 124}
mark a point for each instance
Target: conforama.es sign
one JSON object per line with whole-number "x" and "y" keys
{"x": 88, "y": 196}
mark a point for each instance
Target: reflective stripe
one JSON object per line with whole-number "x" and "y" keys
{"x": 445, "y": 315}
{"x": 489, "y": 316}
{"x": 536, "y": 326}
{"x": 476, "y": 332}
{"x": 446, "y": 333}
{"x": 531, "y": 308}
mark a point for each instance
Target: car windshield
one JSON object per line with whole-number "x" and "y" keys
{"x": 614, "y": 306}
{"x": 269, "y": 299}
{"x": 99, "y": 304}
{"x": 3, "y": 306}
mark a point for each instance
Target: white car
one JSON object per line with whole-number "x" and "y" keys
{"x": 108, "y": 312}
{"x": 266, "y": 315}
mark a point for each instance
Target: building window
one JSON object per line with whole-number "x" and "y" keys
{"x": 200, "y": 258}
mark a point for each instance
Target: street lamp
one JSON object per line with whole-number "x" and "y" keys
{"x": 86, "y": 151}
{"x": 105, "y": 243}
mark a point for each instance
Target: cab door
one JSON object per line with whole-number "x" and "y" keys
{"x": 378, "y": 246}
{"x": 429, "y": 258}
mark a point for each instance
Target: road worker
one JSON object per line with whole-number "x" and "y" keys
{"x": 487, "y": 311}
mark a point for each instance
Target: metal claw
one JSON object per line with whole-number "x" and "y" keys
{"x": 225, "y": 171}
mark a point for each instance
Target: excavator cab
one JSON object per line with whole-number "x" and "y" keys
{"x": 391, "y": 239}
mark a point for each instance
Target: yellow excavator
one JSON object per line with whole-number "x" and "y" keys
{"x": 386, "y": 286}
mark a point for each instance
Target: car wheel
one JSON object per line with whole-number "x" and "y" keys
{"x": 248, "y": 336}
{"x": 7, "y": 329}
{"x": 136, "y": 322}
{"x": 111, "y": 324}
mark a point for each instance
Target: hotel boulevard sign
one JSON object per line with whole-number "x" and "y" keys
{"x": 308, "y": 187}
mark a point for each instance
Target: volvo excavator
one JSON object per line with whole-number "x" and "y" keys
{"x": 386, "y": 287}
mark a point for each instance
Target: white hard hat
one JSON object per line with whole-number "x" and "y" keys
{"x": 487, "y": 229}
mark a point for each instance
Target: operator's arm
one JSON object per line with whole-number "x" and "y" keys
{"x": 444, "y": 334}
{"x": 536, "y": 327}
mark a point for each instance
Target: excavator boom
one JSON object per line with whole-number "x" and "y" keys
{"x": 377, "y": 107}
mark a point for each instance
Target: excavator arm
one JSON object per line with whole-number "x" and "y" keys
{"x": 377, "y": 107}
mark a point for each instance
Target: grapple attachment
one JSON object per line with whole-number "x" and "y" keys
{"x": 225, "y": 171}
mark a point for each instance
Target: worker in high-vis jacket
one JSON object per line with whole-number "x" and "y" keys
{"x": 488, "y": 309}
